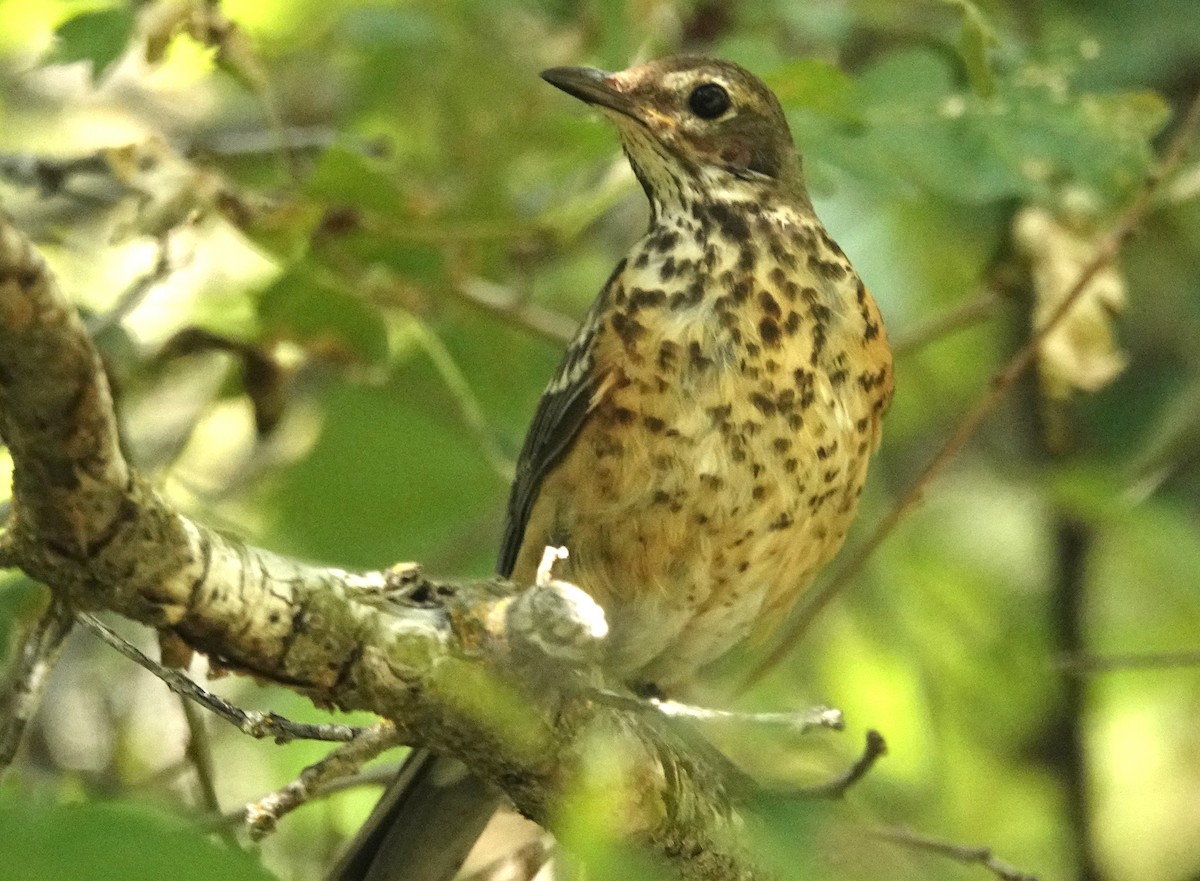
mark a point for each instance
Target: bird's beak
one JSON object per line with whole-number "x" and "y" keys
{"x": 596, "y": 87}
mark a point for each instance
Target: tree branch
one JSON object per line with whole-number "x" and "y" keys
{"x": 35, "y": 660}
{"x": 423, "y": 654}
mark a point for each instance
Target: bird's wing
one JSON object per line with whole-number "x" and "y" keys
{"x": 571, "y": 395}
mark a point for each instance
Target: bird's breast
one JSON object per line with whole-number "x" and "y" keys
{"x": 722, "y": 466}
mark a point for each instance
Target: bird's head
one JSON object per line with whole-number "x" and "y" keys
{"x": 693, "y": 125}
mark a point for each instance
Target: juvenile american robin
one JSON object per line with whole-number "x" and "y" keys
{"x": 703, "y": 445}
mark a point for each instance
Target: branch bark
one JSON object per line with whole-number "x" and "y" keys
{"x": 424, "y": 654}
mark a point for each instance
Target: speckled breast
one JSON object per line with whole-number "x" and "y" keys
{"x": 746, "y": 372}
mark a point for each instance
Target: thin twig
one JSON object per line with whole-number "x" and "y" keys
{"x": 200, "y": 758}
{"x": 251, "y": 722}
{"x": 377, "y": 775}
{"x": 800, "y": 722}
{"x": 1000, "y": 385}
{"x": 973, "y": 311}
{"x": 875, "y": 749}
{"x": 977, "y": 856}
{"x": 137, "y": 291}
{"x": 199, "y": 755}
{"x": 36, "y": 659}
{"x": 1087, "y": 665}
{"x": 262, "y": 816}
{"x": 505, "y": 303}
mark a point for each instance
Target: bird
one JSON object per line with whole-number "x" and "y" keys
{"x": 703, "y": 445}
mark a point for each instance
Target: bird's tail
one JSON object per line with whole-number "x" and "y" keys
{"x": 424, "y": 826}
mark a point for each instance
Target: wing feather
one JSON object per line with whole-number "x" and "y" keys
{"x": 572, "y": 394}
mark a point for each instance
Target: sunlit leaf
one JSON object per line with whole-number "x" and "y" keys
{"x": 99, "y": 36}
{"x": 117, "y": 841}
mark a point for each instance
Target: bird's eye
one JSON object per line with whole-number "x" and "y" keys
{"x": 709, "y": 100}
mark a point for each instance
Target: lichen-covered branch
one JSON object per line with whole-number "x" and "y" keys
{"x": 420, "y": 653}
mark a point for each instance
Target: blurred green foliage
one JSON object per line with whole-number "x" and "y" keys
{"x": 424, "y": 157}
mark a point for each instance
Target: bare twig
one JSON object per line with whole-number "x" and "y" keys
{"x": 251, "y": 722}
{"x": 36, "y": 658}
{"x": 980, "y": 856}
{"x": 199, "y": 755}
{"x": 801, "y": 722}
{"x": 262, "y": 816}
{"x": 972, "y": 311}
{"x": 505, "y": 303}
{"x": 1000, "y": 385}
{"x": 875, "y": 749}
{"x": 133, "y": 296}
{"x": 1088, "y": 665}
{"x": 377, "y": 775}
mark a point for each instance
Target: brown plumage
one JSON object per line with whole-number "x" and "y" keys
{"x": 703, "y": 445}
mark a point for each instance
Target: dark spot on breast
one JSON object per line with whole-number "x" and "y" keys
{"x": 667, "y": 271}
{"x": 791, "y": 465}
{"x": 869, "y": 380}
{"x": 768, "y": 331}
{"x": 622, "y": 415}
{"x": 783, "y": 521}
{"x": 668, "y": 353}
{"x": 731, "y": 224}
{"x": 696, "y": 356}
{"x": 720, "y": 415}
{"x": 871, "y": 331}
{"x": 818, "y": 343}
{"x": 804, "y": 238}
{"x": 759, "y": 492}
{"x": 740, "y": 291}
{"x": 782, "y": 444}
{"x": 711, "y": 481}
{"x": 792, "y": 324}
{"x": 642, "y": 259}
{"x": 604, "y": 445}
{"x": 653, "y": 424}
{"x": 762, "y": 403}
{"x": 831, "y": 244}
{"x": 778, "y": 278}
{"x": 747, "y": 257}
{"x": 628, "y": 329}
{"x": 666, "y": 240}
{"x": 641, "y": 298}
{"x": 661, "y": 497}
{"x": 743, "y": 566}
{"x": 769, "y": 305}
{"x": 827, "y": 268}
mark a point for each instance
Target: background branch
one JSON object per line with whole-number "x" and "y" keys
{"x": 394, "y": 643}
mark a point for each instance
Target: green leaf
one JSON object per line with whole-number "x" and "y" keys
{"x": 976, "y": 39}
{"x": 119, "y": 841}
{"x": 300, "y": 308}
{"x": 347, "y": 177}
{"x": 98, "y": 36}
{"x": 817, "y": 86}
